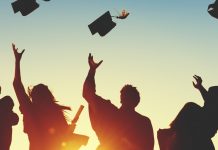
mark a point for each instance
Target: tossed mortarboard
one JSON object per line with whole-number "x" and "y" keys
{"x": 213, "y": 9}
{"x": 24, "y": 6}
{"x": 102, "y": 25}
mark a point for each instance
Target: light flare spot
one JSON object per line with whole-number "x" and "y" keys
{"x": 51, "y": 130}
{"x": 63, "y": 144}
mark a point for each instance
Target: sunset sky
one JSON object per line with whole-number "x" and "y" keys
{"x": 158, "y": 49}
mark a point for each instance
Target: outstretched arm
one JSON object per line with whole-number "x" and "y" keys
{"x": 89, "y": 84}
{"x": 198, "y": 85}
{"x": 18, "y": 85}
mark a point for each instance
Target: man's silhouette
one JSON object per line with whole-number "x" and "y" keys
{"x": 7, "y": 119}
{"x": 117, "y": 128}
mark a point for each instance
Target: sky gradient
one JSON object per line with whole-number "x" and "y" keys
{"x": 158, "y": 49}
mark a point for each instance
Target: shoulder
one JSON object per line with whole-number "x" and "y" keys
{"x": 143, "y": 118}
{"x": 27, "y": 108}
{"x": 100, "y": 105}
{"x": 108, "y": 104}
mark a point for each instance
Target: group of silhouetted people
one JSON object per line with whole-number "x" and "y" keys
{"x": 116, "y": 128}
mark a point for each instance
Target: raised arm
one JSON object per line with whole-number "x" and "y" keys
{"x": 198, "y": 85}
{"x": 89, "y": 84}
{"x": 18, "y": 85}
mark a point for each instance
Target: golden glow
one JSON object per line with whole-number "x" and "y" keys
{"x": 159, "y": 55}
{"x": 63, "y": 144}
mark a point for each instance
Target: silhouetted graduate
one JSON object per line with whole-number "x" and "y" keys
{"x": 7, "y": 119}
{"x": 117, "y": 128}
{"x": 194, "y": 125}
{"x": 44, "y": 120}
{"x": 213, "y": 9}
{"x": 189, "y": 129}
{"x": 210, "y": 107}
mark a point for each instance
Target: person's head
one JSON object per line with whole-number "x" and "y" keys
{"x": 129, "y": 96}
{"x": 40, "y": 94}
{"x": 188, "y": 119}
{"x": 6, "y": 103}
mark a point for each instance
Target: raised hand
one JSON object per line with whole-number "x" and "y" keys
{"x": 17, "y": 55}
{"x": 92, "y": 64}
{"x": 198, "y": 83}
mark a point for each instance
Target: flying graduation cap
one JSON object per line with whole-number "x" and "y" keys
{"x": 25, "y": 6}
{"x": 102, "y": 25}
{"x": 213, "y": 9}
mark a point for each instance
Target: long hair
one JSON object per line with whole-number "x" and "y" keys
{"x": 41, "y": 95}
{"x": 188, "y": 118}
{"x": 46, "y": 107}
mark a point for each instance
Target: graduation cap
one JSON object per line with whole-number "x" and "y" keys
{"x": 102, "y": 25}
{"x": 25, "y": 6}
{"x": 213, "y": 9}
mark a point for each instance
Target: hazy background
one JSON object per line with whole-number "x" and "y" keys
{"x": 158, "y": 48}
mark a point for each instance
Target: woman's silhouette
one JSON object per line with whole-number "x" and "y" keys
{"x": 187, "y": 128}
{"x": 44, "y": 120}
{"x": 194, "y": 126}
